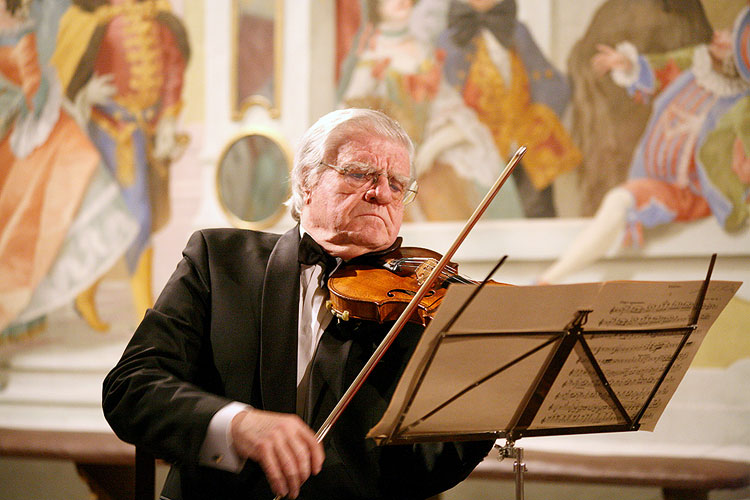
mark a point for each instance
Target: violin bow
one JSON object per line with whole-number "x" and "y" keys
{"x": 414, "y": 302}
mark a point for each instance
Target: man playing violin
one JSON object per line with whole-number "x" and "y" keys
{"x": 237, "y": 364}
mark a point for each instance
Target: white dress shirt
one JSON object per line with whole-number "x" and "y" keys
{"x": 217, "y": 450}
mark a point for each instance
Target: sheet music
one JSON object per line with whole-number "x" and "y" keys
{"x": 478, "y": 374}
{"x": 632, "y": 362}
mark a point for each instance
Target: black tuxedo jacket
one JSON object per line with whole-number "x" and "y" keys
{"x": 225, "y": 329}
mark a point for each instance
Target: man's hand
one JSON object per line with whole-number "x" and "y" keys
{"x": 165, "y": 141}
{"x": 98, "y": 90}
{"x": 283, "y": 445}
{"x": 607, "y": 59}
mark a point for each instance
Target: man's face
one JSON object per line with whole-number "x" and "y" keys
{"x": 721, "y": 45}
{"x": 722, "y": 58}
{"x": 349, "y": 222}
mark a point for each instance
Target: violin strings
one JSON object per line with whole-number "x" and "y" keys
{"x": 417, "y": 261}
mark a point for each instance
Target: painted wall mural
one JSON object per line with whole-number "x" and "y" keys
{"x": 599, "y": 106}
{"x": 691, "y": 160}
{"x": 471, "y": 85}
{"x": 91, "y": 94}
{"x": 395, "y": 71}
{"x": 466, "y": 77}
{"x": 655, "y": 103}
{"x": 400, "y": 56}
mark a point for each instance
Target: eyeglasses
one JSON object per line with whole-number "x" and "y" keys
{"x": 356, "y": 175}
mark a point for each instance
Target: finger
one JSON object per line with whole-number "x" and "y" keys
{"x": 600, "y": 64}
{"x": 270, "y": 465}
{"x": 290, "y": 470}
{"x": 302, "y": 455}
{"x": 599, "y": 68}
{"x": 315, "y": 449}
{"x": 317, "y": 457}
{"x": 307, "y": 449}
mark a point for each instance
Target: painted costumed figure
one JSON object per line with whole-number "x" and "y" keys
{"x": 134, "y": 53}
{"x": 402, "y": 75}
{"x": 692, "y": 161}
{"x": 63, "y": 222}
{"x": 598, "y": 106}
{"x": 493, "y": 61}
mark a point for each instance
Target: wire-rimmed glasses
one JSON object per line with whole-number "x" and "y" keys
{"x": 403, "y": 188}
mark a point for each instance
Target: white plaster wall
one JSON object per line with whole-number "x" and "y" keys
{"x": 307, "y": 80}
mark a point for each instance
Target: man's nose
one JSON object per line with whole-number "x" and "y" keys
{"x": 379, "y": 190}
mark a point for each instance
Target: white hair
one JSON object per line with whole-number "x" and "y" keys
{"x": 323, "y": 139}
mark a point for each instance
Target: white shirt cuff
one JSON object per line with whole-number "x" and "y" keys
{"x": 217, "y": 450}
{"x": 627, "y": 78}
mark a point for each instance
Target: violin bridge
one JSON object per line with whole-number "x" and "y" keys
{"x": 424, "y": 270}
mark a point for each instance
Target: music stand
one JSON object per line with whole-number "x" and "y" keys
{"x": 569, "y": 380}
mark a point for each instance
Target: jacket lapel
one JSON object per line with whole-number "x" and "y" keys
{"x": 278, "y": 336}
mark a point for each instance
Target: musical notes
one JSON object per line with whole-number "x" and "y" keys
{"x": 634, "y": 362}
{"x": 643, "y": 308}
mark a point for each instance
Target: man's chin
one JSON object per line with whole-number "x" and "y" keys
{"x": 371, "y": 242}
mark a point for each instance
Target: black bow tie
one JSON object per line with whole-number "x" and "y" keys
{"x": 465, "y": 22}
{"x": 311, "y": 253}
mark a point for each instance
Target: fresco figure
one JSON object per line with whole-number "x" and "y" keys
{"x": 729, "y": 142}
{"x": 598, "y": 105}
{"x": 398, "y": 73}
{"x": 122, "y": 63}
{"x": 492, "y": 60}
{"x": 691, "y": 161}
{"x": 62, "y": 219}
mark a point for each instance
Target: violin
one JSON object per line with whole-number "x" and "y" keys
{"x": 379, "y": 288}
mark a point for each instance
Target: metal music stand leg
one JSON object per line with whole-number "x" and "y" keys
{"x": 519, "y": 466}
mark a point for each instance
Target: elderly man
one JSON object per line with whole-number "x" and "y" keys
{"x": 238, "y": 360}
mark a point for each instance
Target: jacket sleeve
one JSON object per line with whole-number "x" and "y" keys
{"x": 161, "y": 395}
